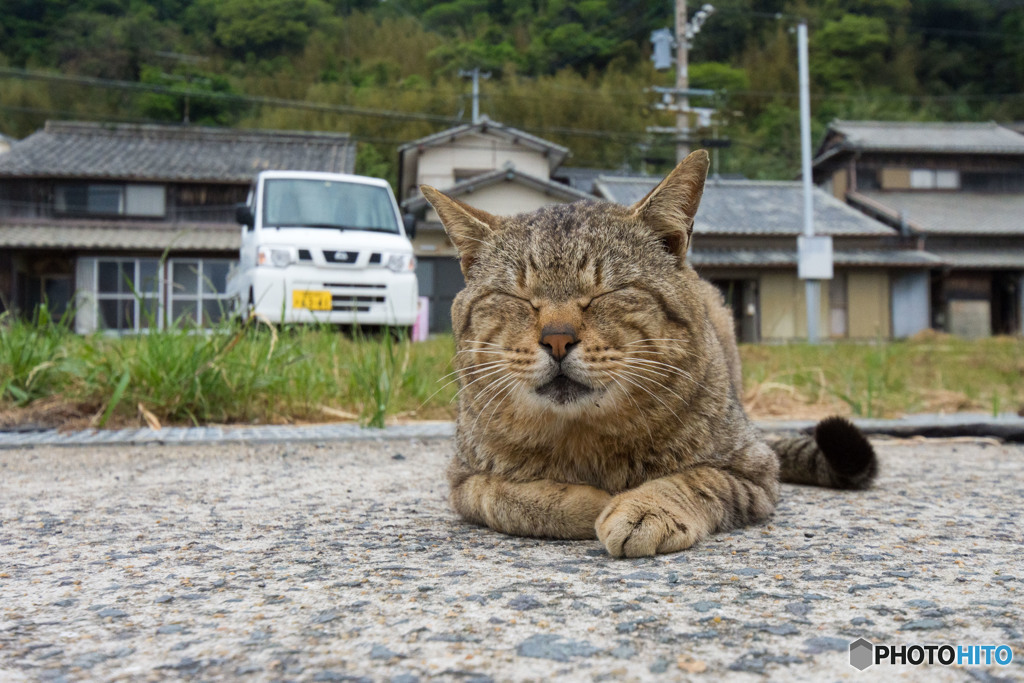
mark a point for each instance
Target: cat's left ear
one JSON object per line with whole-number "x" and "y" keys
{"x": 670, "y": 207}
{"x": 468, "y": 228}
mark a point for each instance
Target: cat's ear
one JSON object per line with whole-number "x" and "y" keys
{"x": 468, "y": 228}
{"x": 670, "y": 207}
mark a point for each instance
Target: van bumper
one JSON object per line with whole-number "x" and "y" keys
{"x": 365, "y": 296}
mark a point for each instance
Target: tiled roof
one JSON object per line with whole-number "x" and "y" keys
{"x": 556, "y": 153}
{"x": 787, "y": 258}
{"x": 141, "y": 237}
{"x": 509, "y": 174}
{"x": 952, "y": 213}
{"x": 920, "y": 136}
{"x": 1005, "y": 258}
{"x": 754, "y": 207}
{"x": 148, "y": 152}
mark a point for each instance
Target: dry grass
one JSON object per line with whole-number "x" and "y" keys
{"x": 931, "y": 373}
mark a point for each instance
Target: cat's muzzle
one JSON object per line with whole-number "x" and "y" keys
{"x": 562, "y": 389}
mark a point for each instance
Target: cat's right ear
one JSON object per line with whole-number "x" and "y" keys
{"x": 468, "y": 228}
{"x": 669, "y": 208}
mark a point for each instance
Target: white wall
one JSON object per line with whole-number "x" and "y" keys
{"x": 503, "y": 199}
{"x": 481, "y": 153}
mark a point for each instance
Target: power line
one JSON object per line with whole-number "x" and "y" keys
{"x": 230, "y": 97}
{"x": 296, "y": 104}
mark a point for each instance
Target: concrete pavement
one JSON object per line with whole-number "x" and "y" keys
{"x": 328, "y": 560}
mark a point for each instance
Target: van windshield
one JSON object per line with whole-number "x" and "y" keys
{"x": 307, "y": 203}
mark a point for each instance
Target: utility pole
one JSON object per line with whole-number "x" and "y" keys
{"x": 814, "y": 252}
{"x": 682, "y": 82}
{"x": 476, "y": 76}
{"x": 677, "y": 99}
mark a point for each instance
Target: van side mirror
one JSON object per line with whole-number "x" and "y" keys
{"x": 243, "y": 215}
{"x": 409, "y": 220}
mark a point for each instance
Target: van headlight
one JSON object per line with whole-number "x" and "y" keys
{"x": 400, "y": 263}
{"x": 279, "y": 257}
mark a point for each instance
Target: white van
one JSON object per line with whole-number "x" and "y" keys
{"x": 324, "y": 247}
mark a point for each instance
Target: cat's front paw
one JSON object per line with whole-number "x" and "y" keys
{"x": 632, "y": 526}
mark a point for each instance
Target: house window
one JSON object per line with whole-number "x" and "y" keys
{"x": 929, "y": 179}
{"x": 111, "y": 199}
{"x": 196, "y": 292}
{"x": 127, "y": 294}
{"x": 136, "y": 294}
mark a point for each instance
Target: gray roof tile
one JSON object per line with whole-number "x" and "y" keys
{"x": 149, "y": 152}
{"x": 985, "y": 259}
{"x": 954, "y": 213}
{"x": 929, "y": 136}
{"x": 140, "y": 237}
{"x": 754, "y": 207}
{"x": 787, "y": 258}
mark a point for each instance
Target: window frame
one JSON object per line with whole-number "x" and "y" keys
{"x": 135, "y": 296}
{"x": 61, "y": 207}
{"x": 162, "y": 296}
{"x": 205, "y": 290}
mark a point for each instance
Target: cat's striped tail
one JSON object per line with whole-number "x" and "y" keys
{"x": 838, "y": 456}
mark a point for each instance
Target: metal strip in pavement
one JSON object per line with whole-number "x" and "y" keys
{"x": 1007, "y": 427}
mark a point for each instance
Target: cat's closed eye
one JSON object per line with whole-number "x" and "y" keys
{"x": 521, "y": 299}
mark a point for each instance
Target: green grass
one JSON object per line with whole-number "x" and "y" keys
{"x": 251, "y": 374}
{"x": 258, "y": 373}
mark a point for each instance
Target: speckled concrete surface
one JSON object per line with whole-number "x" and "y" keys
{"x": 341, "y": 561}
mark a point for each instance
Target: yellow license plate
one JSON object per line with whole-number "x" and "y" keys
{"x": 313, "y": 299}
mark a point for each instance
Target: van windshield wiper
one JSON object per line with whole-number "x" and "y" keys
{"x": 334, "y": 226}
{"x": 378, "y": 229}
{"x": 331, "y": 226}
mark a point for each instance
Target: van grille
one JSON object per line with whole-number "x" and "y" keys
{"x": 349, "y": 285}
{"x": 341, "y": 257}
{"x": 360, "y": 301}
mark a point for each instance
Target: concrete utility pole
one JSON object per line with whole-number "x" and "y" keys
{"x": 815, "y": 252}
{"x": 476, "y": 76}
{"x": 677, "y": 99}
{"x": 682, "y": 82}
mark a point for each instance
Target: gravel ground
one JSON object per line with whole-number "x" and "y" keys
{"x": 341, "y": 561}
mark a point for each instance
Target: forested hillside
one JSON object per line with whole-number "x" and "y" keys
{"x": 573, "y": 71}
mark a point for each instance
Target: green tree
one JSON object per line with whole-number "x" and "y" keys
{"x": 265, "y": 27}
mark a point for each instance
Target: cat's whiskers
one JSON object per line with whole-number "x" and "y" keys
{"x": 662, "y": 350}
{"x": 639, "y": 410}
{"x": 646, "y": 378}
{"x": 473, "y": 369}
{"x": 651, "y": 379}
{"x": 658, "y": 365}
{"x": 480, "y": 341}
{"x": 653, "y": 339}
{"x": 502, "y": 384}
{"x": 645, "y": 389}
{"x": 465, "y": 386}
{"x": 508, "y": 391}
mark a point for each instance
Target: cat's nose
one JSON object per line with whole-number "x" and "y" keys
{"x": 558, "y": 340}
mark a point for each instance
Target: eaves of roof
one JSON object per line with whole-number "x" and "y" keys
{"x": 557, "y": 153}
{"x": 136, "y": 237}
{"x": 924, "y": 137}
{"x": 564, "y": 192}
{"x": 787, "y": 258}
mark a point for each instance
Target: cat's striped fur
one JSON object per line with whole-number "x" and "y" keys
{"x": 600, "y": 381}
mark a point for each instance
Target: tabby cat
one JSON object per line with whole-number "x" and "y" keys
{"x": 600, "y": 381}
